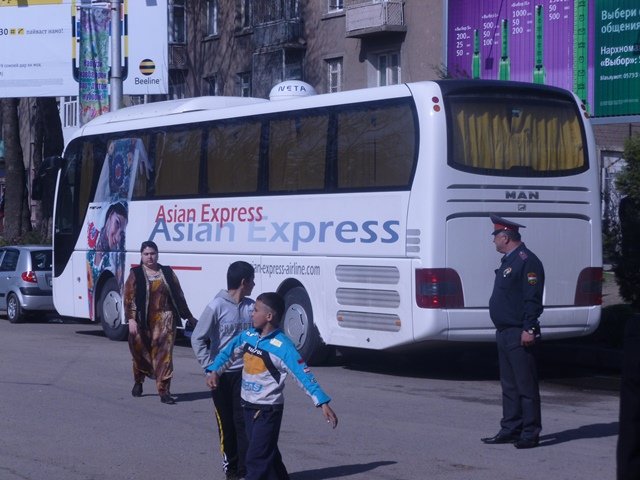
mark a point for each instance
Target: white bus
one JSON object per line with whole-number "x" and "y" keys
{"x": 367, "y": 210}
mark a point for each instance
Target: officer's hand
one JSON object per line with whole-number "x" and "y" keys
{"x": 527, "y": 339}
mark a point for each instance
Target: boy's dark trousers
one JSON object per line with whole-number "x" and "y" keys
{"x": 230, "y": 419}
{"x": 264, "y": 461}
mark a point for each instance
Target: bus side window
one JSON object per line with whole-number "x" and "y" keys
{"x": 376, "y": 147}
{"x": 144, "y": 173}
{"x": 297, "y": 153}
{"x": 177, "y": 160}
{"x": 233, "y": 154}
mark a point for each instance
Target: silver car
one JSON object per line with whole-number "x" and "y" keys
{"x": 25, "y": 280}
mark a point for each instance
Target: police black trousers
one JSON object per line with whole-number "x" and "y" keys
{"x": 264, "y": 461}
{"x": 628, "y": 451}
{"x": 519, "y": 380}
{"x": 230, "y": 419}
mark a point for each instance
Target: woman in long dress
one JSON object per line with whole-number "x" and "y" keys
{"x": 154, "y": 303}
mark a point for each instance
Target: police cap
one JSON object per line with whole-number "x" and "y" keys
{"x": 501, "y": 224}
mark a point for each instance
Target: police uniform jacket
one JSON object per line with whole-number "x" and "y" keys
{"x": 516, "y": 300}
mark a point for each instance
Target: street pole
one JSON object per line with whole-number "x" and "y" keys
{"x": 115, "y": 81}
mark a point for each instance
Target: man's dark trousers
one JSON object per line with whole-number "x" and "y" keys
{"x": 519, "y": 379}
{"x": 230, "y": 418}
{"x": 628, "y": 451}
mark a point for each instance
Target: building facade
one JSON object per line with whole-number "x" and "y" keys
{"x": 245, "y": 47}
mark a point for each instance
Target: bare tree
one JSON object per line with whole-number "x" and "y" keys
{"x": 15, "y": 198}
{"x": 49, "y": 142}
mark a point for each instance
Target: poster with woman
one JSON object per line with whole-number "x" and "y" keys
{"x": 108, "y": 214}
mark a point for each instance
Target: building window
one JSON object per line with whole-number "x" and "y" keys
{"x": 269, "y": 11}
{"x": 177, "y": 22}
{"x": 212, "y": 17}
{"x": 336, "y": 5}
{"x": 388, "y": 69}
{"x": 177, "y": 85}
{"x": 211, "y": 86}
{"x": 244, "y": 14}
{"x": 334, "y": 75}
{"x": 294, "y": 9}
{"x": 293, "y": 65}
{"x": 245, "y": 84}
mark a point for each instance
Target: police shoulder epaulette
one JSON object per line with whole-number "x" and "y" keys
{"x": 523, "y": 255}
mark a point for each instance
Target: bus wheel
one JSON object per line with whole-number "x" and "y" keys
{"x": 109, "y": 311}
{"x": 299, "y": 327}
{"x": 14, "y": 310}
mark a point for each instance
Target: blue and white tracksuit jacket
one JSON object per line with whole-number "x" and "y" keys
{"x": 267, "y": 361}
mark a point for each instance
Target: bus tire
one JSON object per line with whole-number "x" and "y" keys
{"x": 109, "y": 311}
{"x": 298, "y": 325}
{"x": 15, "y": 314}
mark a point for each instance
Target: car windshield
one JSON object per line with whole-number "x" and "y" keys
{"x": 41, "y": 260}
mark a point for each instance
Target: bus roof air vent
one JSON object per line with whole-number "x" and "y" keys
{"x": 290, "y": 89}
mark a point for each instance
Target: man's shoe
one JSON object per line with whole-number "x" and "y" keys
{"x": 166, "y": 398}
{"x": 136, "y": 391}
{"x": 501, "y": 438}
{"x": 526, "y": 443}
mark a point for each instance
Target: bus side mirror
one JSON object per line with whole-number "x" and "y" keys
{"x": 51, "y": 165}
{"x": 45, "y": 177}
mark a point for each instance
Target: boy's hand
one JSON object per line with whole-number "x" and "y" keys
{"x": 212, "y": 380}
{"x": 329, "y": 415}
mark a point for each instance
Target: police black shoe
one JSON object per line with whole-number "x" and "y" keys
{"x": 501, "y": 438}
{"x": 136, "y": 391}
{"x": 526, "y": 443}
{"x": 166, "y": 398}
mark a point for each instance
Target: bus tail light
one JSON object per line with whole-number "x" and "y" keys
{"x": 589, "y": 288}
{"x": 438, "y": 288}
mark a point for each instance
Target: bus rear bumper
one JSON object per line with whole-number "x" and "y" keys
{"x": 474, "y": 325}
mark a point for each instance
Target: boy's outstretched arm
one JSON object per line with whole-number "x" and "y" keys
{"x": 329, "y": 414}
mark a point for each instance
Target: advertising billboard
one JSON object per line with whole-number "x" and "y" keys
{"x": 617, "y": 57}
{"x": 591, "y": 47}
{"x": 35, "y": 49}
{"x": 40, "y": 46}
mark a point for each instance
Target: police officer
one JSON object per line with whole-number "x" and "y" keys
{"x": 515, "y": 306}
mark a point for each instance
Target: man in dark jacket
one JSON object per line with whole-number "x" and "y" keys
{"x": 515, "y": 306}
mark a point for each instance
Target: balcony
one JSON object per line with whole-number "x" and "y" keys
{"x": 278, "y": 33}
{"x": 178, "y": 56}
{"x": 374, "y": 17}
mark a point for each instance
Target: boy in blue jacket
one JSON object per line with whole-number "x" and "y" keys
{"x": 269, "y": 356}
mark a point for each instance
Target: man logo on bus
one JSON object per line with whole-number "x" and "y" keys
{"x": 522, "y": 195}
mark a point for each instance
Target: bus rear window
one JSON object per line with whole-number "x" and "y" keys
{"x": 513, "y": 137}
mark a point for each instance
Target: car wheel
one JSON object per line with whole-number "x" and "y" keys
{"x": 298, "y": 325}
{"x": 109, "y": 311}
{"x": 15, "y": 314}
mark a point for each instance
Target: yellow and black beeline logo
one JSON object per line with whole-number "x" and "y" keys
{"x": 147, "y": 67}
